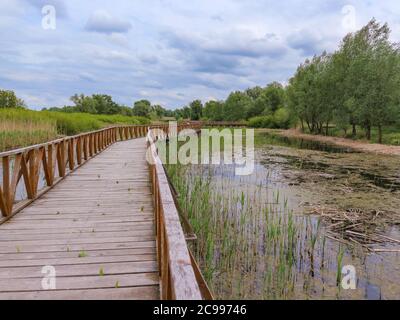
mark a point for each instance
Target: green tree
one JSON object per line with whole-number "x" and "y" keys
{"x": 196, "y": 110}
{"x": 266, "y": 101}
{"x": 372, "y": 77}
{"x": 254, "y": 92}
{"x": 213, "y": 110}
{"x": 8, "y": 99}
{"x": 236, "y": 107}
{"x": 142, "y": 108}
{"x": 104, "y": 104}
{"x": 84, "y": 103}
{"x": 274, "y": 97}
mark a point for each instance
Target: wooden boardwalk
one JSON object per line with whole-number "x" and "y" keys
{"x": 95, "y": 227}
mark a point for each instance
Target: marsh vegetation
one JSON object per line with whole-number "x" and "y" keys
{"x": 21, "y": 127}
{"x": 276, "y": 234}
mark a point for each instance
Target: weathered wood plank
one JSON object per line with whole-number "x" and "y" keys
{"x": 80, "y": 270}
{"x": 79, "y": 247}
{"x": 96, "y": 227}
{"x": 9, "y": 257}
{"x": 76, "y": 260}
{"x": 134, "y": 293}
{"x": 73, "y": 240}
{"x": 85, "y": 282}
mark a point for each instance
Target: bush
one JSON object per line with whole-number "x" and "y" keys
{"x": 279, "y": 120}
{"x": 261, "y": 122}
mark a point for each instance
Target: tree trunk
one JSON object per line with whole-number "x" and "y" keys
{"x": 309, "y": 127}
{"x": 354, "y": 134}
{"x": 379, "y": 133}
{"x": 368, "y": 132}
{"x": 327, "y": 128}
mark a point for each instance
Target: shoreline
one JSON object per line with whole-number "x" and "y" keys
{"x": 358, "y": 145}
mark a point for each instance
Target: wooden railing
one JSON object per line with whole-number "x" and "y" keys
{"x": 23, "y": 170}
{"x": 179, "y": 274}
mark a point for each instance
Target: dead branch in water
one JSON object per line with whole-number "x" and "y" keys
{"x": 354, "y": 226}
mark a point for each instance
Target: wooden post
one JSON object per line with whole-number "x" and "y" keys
{"x": 79, "y": 150}
{"x": 61, "y": 158}
{"x": 6, "y": 185}
{"x": 71, "y": 160}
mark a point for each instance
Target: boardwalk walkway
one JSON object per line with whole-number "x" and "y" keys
{"x": 96, "y": 228}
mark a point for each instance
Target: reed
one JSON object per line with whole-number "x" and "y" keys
{"x": 21, "y": 127}
{"x": 241, "y": 240}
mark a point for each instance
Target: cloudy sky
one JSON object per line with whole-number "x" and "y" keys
{"x": 168, "y": 51}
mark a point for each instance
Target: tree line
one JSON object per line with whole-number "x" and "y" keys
{"x": 104, "y": 104}
{"x": 265, "y": 104}
{"x": 357, "y": 86}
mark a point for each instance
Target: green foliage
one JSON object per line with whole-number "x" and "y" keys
{"x": 96, "y": 104}
{"x": 8, "y": 99}
{"x": 196, "y": 110}
{"x": 22, "y": 127}
{"x": 213, "y": 110}
{"x": 237, "y": 106}
{"x": 356, "y": 86}
{"x": 279, "y": 120}
{"x": 142, "y": 108}
{"x": 274, "y": 97}
{"x": 261, "y": 122}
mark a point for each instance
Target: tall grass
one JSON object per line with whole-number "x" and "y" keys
{"x": 250, "y": 244}
{"x": 247, "y": 248}
{"x": 21, "y": 127}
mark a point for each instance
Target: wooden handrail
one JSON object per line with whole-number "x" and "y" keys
{"x": 55, "y": 160}
{"x": 178, "y": 278}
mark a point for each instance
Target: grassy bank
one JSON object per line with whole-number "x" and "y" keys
{"x": 390, "y": 135}
{"x": 20, "y": 127}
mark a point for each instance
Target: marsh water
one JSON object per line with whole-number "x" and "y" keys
{"x": 266, "y": 236}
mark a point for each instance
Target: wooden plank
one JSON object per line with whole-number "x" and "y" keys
{"x": 96, "y": 226}
{"x": 42, "y": 225}
{"x": 4, "y": 245}
{"x": 12, "y": 238}
{"x": 13, "y": 265}
{"x": 80, "y": 270}
{"x": 15, "y": 229}
{"x": 133, "y": 293}
{"x": 84, "y": 282}
{"x": 78, "y": 247}
{"x": 10, "y": 257}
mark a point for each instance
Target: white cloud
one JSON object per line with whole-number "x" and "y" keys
{"x": 103, "y": 22}
{"x": 168, "y": 51}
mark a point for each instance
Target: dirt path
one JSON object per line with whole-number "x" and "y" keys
{"x": 354, "y": 144}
